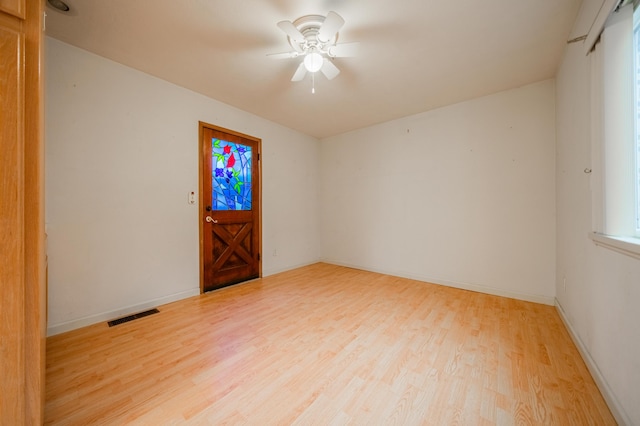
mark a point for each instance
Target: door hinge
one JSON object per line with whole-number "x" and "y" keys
{"x": 258, "y": 156}
{"x": 258, "y": 256}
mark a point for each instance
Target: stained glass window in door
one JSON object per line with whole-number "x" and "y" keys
{"x": 231, "y": 175}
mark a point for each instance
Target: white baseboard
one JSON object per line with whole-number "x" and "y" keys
{"x": 463, "y": 286}
{"x": 613, "y": 403}
{"x": 54, "y": 329}
{"x": 117, "y": 313}
{"x": 269, "y": 271}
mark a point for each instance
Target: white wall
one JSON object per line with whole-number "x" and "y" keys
{"x": 463, "y": 195}
{"x": 121, "y": 156}
{"x": 598, "y": 290}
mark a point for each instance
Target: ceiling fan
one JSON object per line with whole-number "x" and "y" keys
{"x": 314, "y": 38}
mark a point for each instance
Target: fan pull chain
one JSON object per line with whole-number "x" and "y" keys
{"x": 313, "y": 83}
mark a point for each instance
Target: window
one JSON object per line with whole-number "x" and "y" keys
{"x": 615, "y": 98}
{"x": 614, "y": 55}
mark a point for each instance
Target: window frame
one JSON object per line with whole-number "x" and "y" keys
{"x": 636, "y": 103}
{"x": 615, "y": 137}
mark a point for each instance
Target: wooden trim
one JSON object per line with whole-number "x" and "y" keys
{"x": 201, "y": 127}
{"x": 258, "y": 194}
{"x": 257, "y": 190}
{"x": 231, "y": 132}
{"x": 35, "y": 273}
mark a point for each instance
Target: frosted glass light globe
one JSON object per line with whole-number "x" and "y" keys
{"x": 313, "y": 62}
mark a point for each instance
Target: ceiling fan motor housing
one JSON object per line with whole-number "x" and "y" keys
{"x": 309, "y": 27}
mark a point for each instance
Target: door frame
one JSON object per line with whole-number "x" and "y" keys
{"x": 257, "y": 193}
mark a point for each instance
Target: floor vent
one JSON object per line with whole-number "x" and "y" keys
{"x": 132, "y": 317}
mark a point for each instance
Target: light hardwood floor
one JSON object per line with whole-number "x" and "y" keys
{"x": 326, "y": 344}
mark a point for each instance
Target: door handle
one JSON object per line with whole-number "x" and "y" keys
{"x": 210, "y": 219}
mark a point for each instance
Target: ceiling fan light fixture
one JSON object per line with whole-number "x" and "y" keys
{"x": 313, "y": 62}
{"x": 315, "y": 38}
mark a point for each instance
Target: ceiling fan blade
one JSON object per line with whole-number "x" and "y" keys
{"x": 343, "y": 50}
{"x": 285, "y": 55}
{"x": 291, "y": 30}
{"x": 300, "y": 72}
{"x": 330, "y": 27}
{"x": 329, "y": 70}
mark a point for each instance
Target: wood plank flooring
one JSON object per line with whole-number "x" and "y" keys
{"x": 323, "y": 345}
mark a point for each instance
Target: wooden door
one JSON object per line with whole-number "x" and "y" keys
{"x": 22, "y": 281}
{"x": 230, "y": 236}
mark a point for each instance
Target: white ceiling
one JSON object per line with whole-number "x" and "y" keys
{"x": 415, "y": 55}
